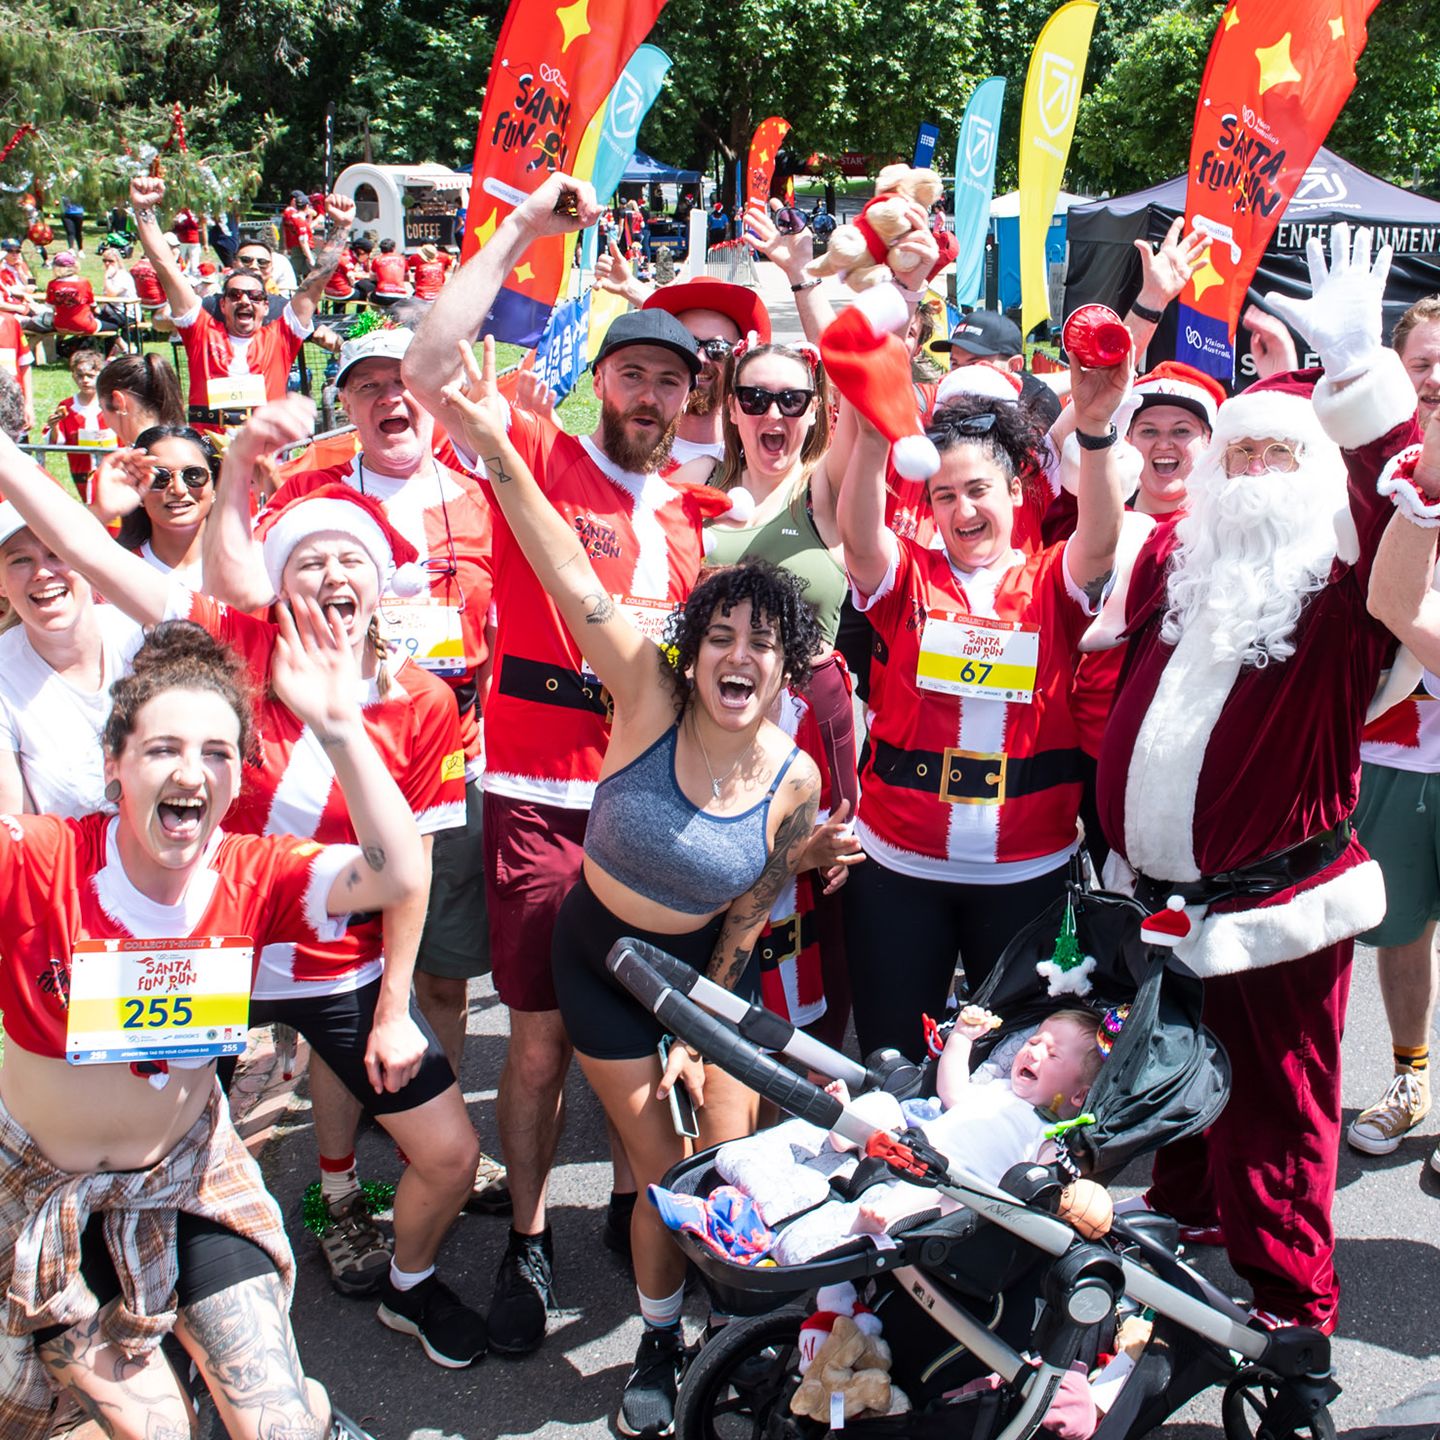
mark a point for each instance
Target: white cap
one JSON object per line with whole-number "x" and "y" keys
{"x": 11, "y": 521}
{"x": 383, "y": 343}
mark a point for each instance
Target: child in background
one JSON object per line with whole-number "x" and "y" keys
{"x": 78, "y": 420}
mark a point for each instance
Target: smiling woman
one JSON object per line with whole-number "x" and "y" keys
{"x": 175, "y": 493}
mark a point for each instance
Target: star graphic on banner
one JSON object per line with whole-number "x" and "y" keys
{"x": 1275, "y": 66}
{"x": 764, "y": 156}
{"x": 524, "y": 272}
{"x": 1232, "y": 17}
{"x": 1206, "y": 277}
{"x": 485, "y": 229}
{"x": 1337, "y": 28}
{"x": 574, "y": 21}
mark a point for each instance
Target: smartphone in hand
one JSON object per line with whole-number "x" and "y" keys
{"x": 682, "y": 1107}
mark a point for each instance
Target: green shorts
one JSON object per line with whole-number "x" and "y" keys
{"x": 455, "y": 944}
{"x": 1398, "y": 821}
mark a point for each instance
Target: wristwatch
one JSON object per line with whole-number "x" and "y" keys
{"x": 1096, "y": 442}
{"x": 1145, "y": 312}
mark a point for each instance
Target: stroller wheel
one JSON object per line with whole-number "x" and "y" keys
{"x": 739, "y": 1385}
{"x": 1259, "y": 1405}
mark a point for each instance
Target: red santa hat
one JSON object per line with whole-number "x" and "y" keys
{"x": 1279, "y": 407}
{"x": 1174, "y": 383}
{"x": 335, "y": 509}
{"x": 871, "y": 368}
{"x": 1167, "y": 927}
{"x": 986, "y": 381}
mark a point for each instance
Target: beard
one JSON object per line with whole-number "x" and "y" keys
{"x": 638, "y": 455}
{"x": 705, "y": 397}
{"x": 1250, "y": 550}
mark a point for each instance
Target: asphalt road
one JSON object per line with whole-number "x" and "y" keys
{"x": 1387, "y": 1211}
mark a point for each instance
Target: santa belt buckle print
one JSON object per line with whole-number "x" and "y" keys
{"x": 972, "y": 777}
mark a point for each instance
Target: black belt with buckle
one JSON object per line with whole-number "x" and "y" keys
{"x": 1267, "y": 876}
{"x": 544, "y": 684}
{"x": 786, "y": 939}
{"x": 201, "y": 415}
{"x": 968, "y": 777}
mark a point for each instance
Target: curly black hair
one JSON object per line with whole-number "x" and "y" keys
{"x": 1014, "y": 440}
{"x": 774, "y": 594}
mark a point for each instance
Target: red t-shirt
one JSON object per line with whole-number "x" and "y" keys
{"x": 210, "y": 352}
{"x": 297, "y": 226}
{"x": 389, "y": 272}
{"x": 341, "y": 285}
{"x": 15, "y": 356}
{"x": 293, "y": 791}
{"x": 73, "y": 301}
{"x": 64, "y": 882}
{"x": 147, "y": 283}
{"x": 428, "y": 275}
{"x": 73, "y": 423}
{"x": 187, "y": 227}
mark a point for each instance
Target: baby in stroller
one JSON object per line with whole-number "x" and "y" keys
{"x": 998, "y": 1117}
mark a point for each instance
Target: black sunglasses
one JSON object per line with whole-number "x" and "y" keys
{"x": 716, "y": 349}
{"x": 981, "y": 424}
{"x": 253, "y": 296}
{"x": 756, "y": 400}
{"x": 194, "y": 477}
{"x": 260, "y": 262}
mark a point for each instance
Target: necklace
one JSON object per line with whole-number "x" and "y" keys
{"x": 715, "y": 783}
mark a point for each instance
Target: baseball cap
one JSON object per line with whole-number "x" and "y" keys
{"x": 383, "y": 343}
{"x": 984, "y": 332}
{"x": 651, "y": 327}
{"x": 10, "y": 244}
{"x": 11, "y": 521}
{"x": 736, "y": 302}
{"x": 299, "y": 195}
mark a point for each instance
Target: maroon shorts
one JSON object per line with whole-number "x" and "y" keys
{"x": 532, "y": 858}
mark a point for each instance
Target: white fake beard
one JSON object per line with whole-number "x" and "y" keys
{"x": 1250, "y": 550}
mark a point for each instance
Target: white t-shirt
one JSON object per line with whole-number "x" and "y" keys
{"x": 52, "y": 726}
{"x": 682, "y": 451}
{"x": 192, "y": 577}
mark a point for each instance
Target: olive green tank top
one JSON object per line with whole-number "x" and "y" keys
{"x": 790, "y": 541}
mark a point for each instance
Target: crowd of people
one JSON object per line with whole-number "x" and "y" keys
{"x": 476, "y": 694}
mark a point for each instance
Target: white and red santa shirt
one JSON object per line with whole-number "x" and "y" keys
{"x": 1017, "y": 765}
{"x": 546, "y": 718}
{"x": 1407, "y": 735}
{"x": 428, "y": 276}
{"x": 1208, "y": 765}
{"x": 298, "y": 227}
{"x": 83, "y": 424}
{"x": 15, "y": 356}
{"x": 293, "y": 791}
{"x": 444, "y": 514}
{"x": 64, "y": 882}
{"x": 212, "y": 353}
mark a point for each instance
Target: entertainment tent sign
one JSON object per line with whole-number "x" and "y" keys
{"x": 1105, "y": 268}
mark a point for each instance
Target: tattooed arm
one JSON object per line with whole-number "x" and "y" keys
{"x": 749, "y": 913}
{"x": 314, "y": 673}
{"x": 620, "y": 656}
{"x": 340, "y": 211}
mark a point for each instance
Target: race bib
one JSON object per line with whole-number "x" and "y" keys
{"x": 158, "y": 999}
{"x": 227, "y": 392}
{"x": 978, "y": 659}
{"x": 426, "y": 632}
{"x": 97, "y": 439}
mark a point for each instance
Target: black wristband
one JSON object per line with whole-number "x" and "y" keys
{"x": 1096, "y": 442}
{"x": 1145, "y": 312}
{"x": 804, "y": 285}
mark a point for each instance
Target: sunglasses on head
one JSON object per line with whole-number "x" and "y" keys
{"x": 981, "y": 424}
{"x": 193, "y": 477}
{"x": 756, "y": 400}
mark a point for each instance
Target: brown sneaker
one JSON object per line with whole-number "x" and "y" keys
{"x": 490, "y": 1195}
{"x": 1378, "y": 1130}
{"x": 356, "y": 1252}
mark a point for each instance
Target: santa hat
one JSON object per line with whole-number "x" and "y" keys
{"x": 335, "y": 509}
{"x": 871, "y": 369}
{"x": 1174, "y": 383}
{"x": 985, "y": 381}
{"x": 1167, "y": 927}
{"x": 1280, "y": 407}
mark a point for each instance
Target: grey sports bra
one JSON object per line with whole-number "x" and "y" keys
{"x": 644, "y": 833}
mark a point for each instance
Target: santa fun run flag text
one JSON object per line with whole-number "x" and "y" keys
{"x": 760, "y": 169}
{"x": 1279, "y": 72}
{"x": 554, "y": 63}
{"x": 1047, "y": 125}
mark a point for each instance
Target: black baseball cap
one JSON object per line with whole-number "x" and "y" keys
{"x": 651, "y": 327}
{"x": 986, "y": 333}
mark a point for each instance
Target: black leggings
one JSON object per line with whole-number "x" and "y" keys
{"x": 211, "y": 1256}
{"x": 903, "y": 937}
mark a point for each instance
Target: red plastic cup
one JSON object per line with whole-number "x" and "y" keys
{"x": 1096, "y": 337}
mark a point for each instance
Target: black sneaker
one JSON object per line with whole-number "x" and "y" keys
{"x": 648, "y": 1405}
{"x": 450, "y": 1332}
{"x": 615, "y": 1235}
{"x": 524, "y": 1291}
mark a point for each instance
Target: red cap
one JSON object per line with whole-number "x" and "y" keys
{"x": 739, "y": 303}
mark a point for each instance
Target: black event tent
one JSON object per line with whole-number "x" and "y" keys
{"x": 1105, "y": 267}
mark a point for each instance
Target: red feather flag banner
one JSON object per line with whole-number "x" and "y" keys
{"x": 760, "y": 170}
{"x": 1279, "y": 73}
{"x": 554, "y": 65}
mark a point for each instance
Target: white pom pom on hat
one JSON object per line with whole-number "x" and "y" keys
{"x": 915, "y": 457}
{"x": 742, "y": 505}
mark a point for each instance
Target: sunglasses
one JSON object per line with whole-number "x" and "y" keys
{"x": 194, "y": 477}
{"x": 981, "y": 424}
{"x": 756, "y": 400}
{"x": 716, "y": 349}
{"x": 254, "y": 262}
{"x": 253, "y": 296}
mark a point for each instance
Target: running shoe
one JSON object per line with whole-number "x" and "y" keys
{"x": 647, "y": 1407}
{"x": 449, "y": 1331}
{"x": 490, "y": 1194}
{"x": 524, "y": 1292}
{"x": 356, "y": 1252}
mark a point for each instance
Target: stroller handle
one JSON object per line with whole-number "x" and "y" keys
{"x": 720, "y": 1044}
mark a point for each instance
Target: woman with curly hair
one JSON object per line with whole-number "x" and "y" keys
{"x": 972, "y": 784}
{"x": 703, "y": 810}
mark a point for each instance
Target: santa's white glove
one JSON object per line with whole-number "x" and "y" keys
{"x": 1342, "y": 317}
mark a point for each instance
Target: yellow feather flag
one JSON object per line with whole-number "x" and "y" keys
{"x": 1047, "y": 125}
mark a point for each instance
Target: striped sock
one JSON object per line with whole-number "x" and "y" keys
{"x": 662, "y": 1314}
{"x": 1412, "y": 1057}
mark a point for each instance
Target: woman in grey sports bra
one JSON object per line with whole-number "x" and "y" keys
{"x": 703, "y": 811}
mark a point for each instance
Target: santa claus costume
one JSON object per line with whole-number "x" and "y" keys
{"x": 1230, "y": 768}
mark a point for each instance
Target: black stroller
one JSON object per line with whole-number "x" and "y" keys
{"x": 1001, "y": 1286}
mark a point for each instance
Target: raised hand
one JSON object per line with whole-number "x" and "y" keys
{"x": 613, "y": 272}
{"x": 560, "y": 206}
{"x": 914, "y": 255}
{"x": 1342, "y": 317}
{"x": 146, "y": 193}
{"x": 272, "y": 427}
{"x": 1164, "y": 272}
{"x": 1096, "y": 395}
{"x": 477, "y": 401}
{"x": 119, "y": 482}
{"x": 340, "y": 212}
{"x": 792, "y": 253}
{"x": 314, "y": 672}
{"x": 1270, "y": 343}
{"x": 534, "y": 395}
